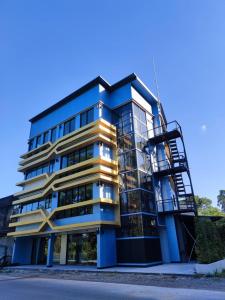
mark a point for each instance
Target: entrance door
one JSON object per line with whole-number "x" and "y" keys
{"x": 43, "y": 250}
{"x": 81, "y": 249}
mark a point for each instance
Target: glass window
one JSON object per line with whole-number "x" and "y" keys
{"x": 142, "y": 162}
{"x": 69, "y": 126}
{"x": 39, "y": 171}
{"x": 48, "y": 202}
{"x": 45, "y": 169}
{"x": 149, "y": 226}
{"x": 53, "y": 135}
{"x": 41, "y": 204}
{"x": 145, "y": 180}
{"x": 70, "y": 159}
{"x": 66, "y": 128}
{"x": 72, "y": 124}
{"x": 131, "y": 225}
{"x": 83, "y": 118}
{"x": 82, "y": 193}
{"x": 129, "y": 180}
{"x": 35, "y": 206}
{"x": 90, "y": 115}
{"x": 76, "y": 157}
{"x": 86, "y": 117}
{"x": 38, "y": 140}
{"x": 89, "y": 152}
{"x": 136, "y": 201}
{"x": 82, "y": 154}
{"x": 75, "y": 195}
{"x": 107, "y": 191}
{"x": 131, "y": 201}
{"x": 127, "y": 161}
{"x": 31, "y": 144}
{"x": 46, "y": 137}
{"x": 62, "y": 198}
{"x": 51, "y": 166}
{"x": 126, "y": 143}
{"x": 89, "y": 191}
{"x": 69, "y": 197}
{"x": 64, "y": 162}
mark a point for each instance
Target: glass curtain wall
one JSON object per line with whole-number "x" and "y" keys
{"x": 136, "y": 190}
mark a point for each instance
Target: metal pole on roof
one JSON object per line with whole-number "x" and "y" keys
{"x": 155, "y": 79}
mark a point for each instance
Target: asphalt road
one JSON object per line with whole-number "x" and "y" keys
{"x": 24, "y": 288}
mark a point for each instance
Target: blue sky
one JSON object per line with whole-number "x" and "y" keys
{"x": 50, "y": 48}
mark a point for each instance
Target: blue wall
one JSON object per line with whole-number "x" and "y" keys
{"x": 106, "y": 248}
{"x": 66, "y": 111}
{"x": 22, "y": 250}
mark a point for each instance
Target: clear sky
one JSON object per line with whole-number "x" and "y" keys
{"x": 50, "y": 48}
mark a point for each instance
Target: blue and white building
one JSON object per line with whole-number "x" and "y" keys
{"x": 106, "y": 181}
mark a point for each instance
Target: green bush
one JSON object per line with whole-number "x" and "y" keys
{"x": 209, "y": 244}
{"x": 220, "y": 225}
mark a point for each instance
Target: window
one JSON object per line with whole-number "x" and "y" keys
{"x": 129, "y": 180}
{"x": 107, "y": 151}
{"x": 89, "y": 192}
{"x": 83, "y": 154}
{"x": 89, "y": 152}
{"x": 31, "y": 144}
{"x": 45, "y": 203}
{"x": 74, "y": 212}
{"x": 77, "y": 156}
{"x": 107, "y": 191}
{"x": 53, "y": 135}
{"x": 38, "y": 141}
{"x": 46, "y": 168}
{"x": 87, "y": 117}
{"x": 145, "y": 180}
{"x": 69, "y": 126}
{"x": 46, "y": 137}
{"x": 78, "y": 194}
{"x": 127, "y": 161}
{"x": 131, "y": 225}
{"x": 138, "y": 225}
{"x": 136, "y": 201}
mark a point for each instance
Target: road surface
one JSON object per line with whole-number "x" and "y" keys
{"x": 34, "y": 288}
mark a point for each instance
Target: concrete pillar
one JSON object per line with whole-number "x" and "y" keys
{"x": 172, "y": 238}
{"x": 51, "y": 241}
{"x": 164, "y": 245}
{"x": 63, "y": 249}
{"x": 106, "y": 248}
{"x": 37, "y": 250}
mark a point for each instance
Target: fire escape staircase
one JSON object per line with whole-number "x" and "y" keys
{"x": 174, "y": 166}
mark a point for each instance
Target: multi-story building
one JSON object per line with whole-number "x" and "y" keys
{"x": 104, "y": 181}
{"x": 6, "y": 243}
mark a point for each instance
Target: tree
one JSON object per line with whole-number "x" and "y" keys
{"x": 221, "y": 200}
{"x": 205, "y": 208}
{"x": 209, "y": 245}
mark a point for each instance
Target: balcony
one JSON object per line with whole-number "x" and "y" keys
{"x": 167, "y": 132}
{"x": 166, "y": 167}
{"x": 182, "y": 204}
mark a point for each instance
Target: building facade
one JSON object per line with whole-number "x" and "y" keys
{"x": 6, "y": 243}
{"x": 106, "y": 181}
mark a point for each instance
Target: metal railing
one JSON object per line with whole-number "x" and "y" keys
{"x": 173, "y": 204}
{"x": 167, "y": 127}
{"x": 166, "y": 164}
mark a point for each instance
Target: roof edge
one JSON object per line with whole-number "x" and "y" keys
{"x": 83, "y": 89}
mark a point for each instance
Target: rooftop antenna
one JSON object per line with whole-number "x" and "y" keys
{"x": 156, "y": 83}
